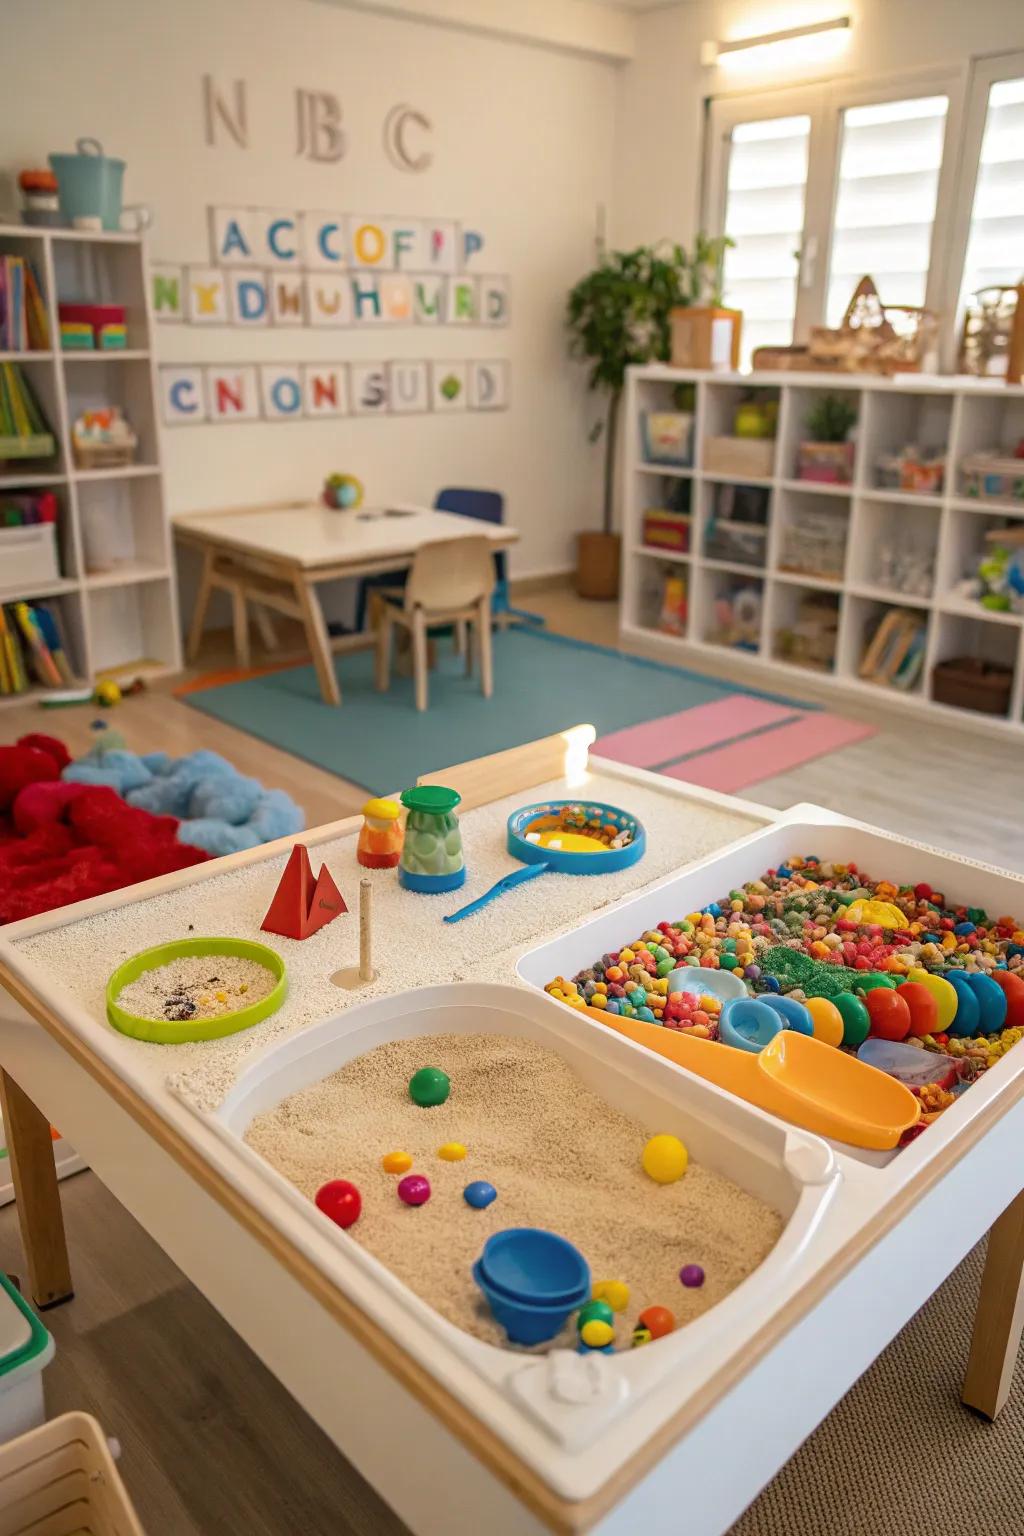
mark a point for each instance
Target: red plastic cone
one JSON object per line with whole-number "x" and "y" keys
{"x": 299, "y": 907}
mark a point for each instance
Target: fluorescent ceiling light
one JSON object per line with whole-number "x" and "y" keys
{"x": 819, "y": 39}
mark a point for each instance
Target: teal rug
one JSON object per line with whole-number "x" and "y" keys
{"x": 542, "y": 683}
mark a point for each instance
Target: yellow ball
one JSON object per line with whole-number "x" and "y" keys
{"x": 452, "y": 1152}
{"x": 665, "y": 1159}
{"x": 596, "y": 1334}
{"x": 614, "y": 1292}
{"x": 945, "y": 994}
{"x": 396, "y": 1162}
{"x": 826, "y": 1020}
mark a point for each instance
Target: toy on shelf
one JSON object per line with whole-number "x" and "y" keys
{"x": 995, "y": 476}
{"x": 826, "y": 456}
{"x": 737, "y": 528}
{"x": 903, "y": 561}
{"x": 738, "y": 618}
{"x": 674, "y": 604}
{"x": 567, "y": 838}
{"x": 432, "y": 859}
{"x": 342, "y": 492}
{"x": 302, "y": 906}
{"x": 894, "y": 653}
{"x": 88, "y": 327}
{"x": 664, "y": 529}
{"x": 750, "y": 450}
{"x": 355, "y": 976}
{"x": 195, "y": 989}
{"x": 997, "y": 582}
{"x": 380, "y": 836}
{"x": 916, "y": 470}
{"x": 667, "y": 437}
{"x": 39, "y": 199}
{"x": 89, "y": 187}
{"x": 810, "y": 641}
{"x": 813, "y": 542}
{"x": 103, "y": 439}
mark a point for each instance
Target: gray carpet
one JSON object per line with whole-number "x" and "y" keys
{"x": 213, "y": 1444}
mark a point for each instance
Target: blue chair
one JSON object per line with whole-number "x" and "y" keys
{"x": 488, "y": 507}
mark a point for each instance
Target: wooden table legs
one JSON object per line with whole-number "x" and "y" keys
{"x": 999, "y": 1319}
{"x": 34, "y": 1173}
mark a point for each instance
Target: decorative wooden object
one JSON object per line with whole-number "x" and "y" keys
{"x": 300, "y": 907}
{"x": 706, "y": 337}
{"x": 360, "y": 975}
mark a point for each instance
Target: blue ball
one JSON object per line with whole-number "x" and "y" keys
{"x": 479, "y": 1194}
{"x": 772, "y": 983}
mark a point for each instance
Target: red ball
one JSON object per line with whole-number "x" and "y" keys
{"x": 1013, "y": 986}
{"x": 657, "y": 1320}
{"x": 890, "y": 1016}
{"x": 341, "y": 1201}
{"x": 924, "y": 1012}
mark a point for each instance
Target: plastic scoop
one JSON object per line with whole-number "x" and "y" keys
{"x": 795, "y": 1077}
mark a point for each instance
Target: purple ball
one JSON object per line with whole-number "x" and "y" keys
{"x": 691, "y": 1275}
{"x": 414, "y": 1189}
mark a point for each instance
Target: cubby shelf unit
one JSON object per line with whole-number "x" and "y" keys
{"x": 121, "y": 619}
{"x": 956, "y": 415}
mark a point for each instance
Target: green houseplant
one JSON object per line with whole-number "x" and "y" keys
{"x": 619, "y": 315}
{"x": 826, "y": 455}
{"x": 616, "y": 316}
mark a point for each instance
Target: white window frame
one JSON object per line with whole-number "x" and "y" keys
{"x": 984, "y": 74}
{"x": 825, "y": 102}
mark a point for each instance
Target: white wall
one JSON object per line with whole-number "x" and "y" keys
{"x": 662, "y": 90}
{"x": 522, "y": 151}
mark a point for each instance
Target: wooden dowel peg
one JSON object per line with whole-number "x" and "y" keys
{"x": 353, "y": 976}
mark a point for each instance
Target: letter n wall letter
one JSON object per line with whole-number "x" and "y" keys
{"x": 232, "y": 116}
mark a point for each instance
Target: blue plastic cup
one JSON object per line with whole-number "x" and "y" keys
{"x": 748, "y": 1024}
{"x": 526, "y": 1322}
{"x": 533, "y": 1281}
{"x": 792, "y": 1011}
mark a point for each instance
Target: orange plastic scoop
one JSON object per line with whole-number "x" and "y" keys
{"x": 796, "y": 1077}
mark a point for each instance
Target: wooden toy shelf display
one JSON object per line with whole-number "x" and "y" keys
{"x": 944, "y": 532}
{"x": 115, "y": 595}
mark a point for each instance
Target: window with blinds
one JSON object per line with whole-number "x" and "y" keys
{"x": 766, "y": 184}
{"x": 995, "y": 247}
{"x": 889, "y": 165}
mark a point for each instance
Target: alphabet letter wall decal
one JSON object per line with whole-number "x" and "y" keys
{"x": 232, "y": 117}
{"x": 320, "y": 135}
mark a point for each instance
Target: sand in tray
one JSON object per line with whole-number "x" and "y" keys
{"x": 559, "y": 1156}
{"x": 197, "y": 987}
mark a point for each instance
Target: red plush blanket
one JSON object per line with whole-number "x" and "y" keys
{"x": 63, "y": 842}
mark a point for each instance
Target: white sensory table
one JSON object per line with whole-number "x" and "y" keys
{"x": 451, "y": 1455}
{"x": 277, "y": 556}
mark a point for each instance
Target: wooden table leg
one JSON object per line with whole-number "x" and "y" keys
{"x": 319, "y": 640}
{"x": 999, "y": 1318}
{"x": 203, "y": 595}
{"x": 34, "y": 1174}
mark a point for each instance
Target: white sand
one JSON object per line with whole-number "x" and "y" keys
{"x": 559, "y": 1156}
{"x": 412, "y": 946}
{"x": 197, "y": 987}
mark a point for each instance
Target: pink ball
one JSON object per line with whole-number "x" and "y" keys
{"x": 414, "y": 1189}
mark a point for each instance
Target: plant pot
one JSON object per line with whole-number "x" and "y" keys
{"x": 827, "y": 463}
{"x": 597, "y": 565}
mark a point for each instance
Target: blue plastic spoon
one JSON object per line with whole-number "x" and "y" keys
{"x": 506, "y": 883}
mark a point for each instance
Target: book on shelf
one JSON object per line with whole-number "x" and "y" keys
{"x": 32, "y": 642}
{"x": 24, "y": 323}
{"x": 24, "y": 432}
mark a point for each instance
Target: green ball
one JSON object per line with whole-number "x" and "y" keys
{"x": 429, "y": 1086}
{"x": 855, "y": 1017}
{"x": 594, "y": 1311}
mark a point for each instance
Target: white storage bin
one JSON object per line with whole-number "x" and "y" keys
{"x": 28, "y": 557}
{"x": 60, "y": 1480}
{"x": 25, "y": 1348}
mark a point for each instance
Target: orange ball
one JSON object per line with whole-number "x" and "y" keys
{"x": 657, "y": 1320}
{"x": 826, "y": 1020}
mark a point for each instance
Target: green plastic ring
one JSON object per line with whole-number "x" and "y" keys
{"x": 177, "y": 1032}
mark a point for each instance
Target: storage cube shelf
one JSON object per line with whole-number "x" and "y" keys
{"x": 868, "y": 547}
{"x": 115, "y": 592}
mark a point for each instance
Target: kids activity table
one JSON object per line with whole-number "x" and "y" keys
{"x": 277, "y": 556}
{"x": 447, "y": 1458}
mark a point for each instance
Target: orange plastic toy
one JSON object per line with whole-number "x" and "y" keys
{"x": 380, "y": 836}
{"x": 795, "y": 1077}
{"x": 301, "y": 907}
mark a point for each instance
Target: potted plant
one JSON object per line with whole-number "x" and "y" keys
{"x": 617, "y": 316}
{"x": 827, "y": 453}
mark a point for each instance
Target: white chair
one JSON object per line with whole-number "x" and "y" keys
{"x": 450, "y": 583}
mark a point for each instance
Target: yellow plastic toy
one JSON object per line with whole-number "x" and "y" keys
{"x": 614, "y": 1292}
{"x": 597, "y": 1334}
{"x": 452, "y": 1152}
{"x": 396, "y": 1162}
{"x": 881, "y": 912}
{"x": 827, "y": 1020}
{"x": 664, "y": 1157}
{"x": 795, "y": 1077}
{"x": 944, "y": 993}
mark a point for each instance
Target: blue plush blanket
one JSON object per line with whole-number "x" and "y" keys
{"x": 219, "y": 809}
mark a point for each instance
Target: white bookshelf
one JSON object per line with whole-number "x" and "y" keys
{"x": 960, "y": 415}
{"x": 122, "y": 620}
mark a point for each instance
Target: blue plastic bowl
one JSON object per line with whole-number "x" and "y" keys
{"x": 534, "y": 1266}
{"x": 700, "y": 979}
{"x": 794, "y": 1014}
{"x": 748, "y": 1024}
{"x": 527, "y": 1322}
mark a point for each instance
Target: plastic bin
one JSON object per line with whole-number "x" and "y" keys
{"x": 993, "y": 477}
{"x": 28, "y": 556}
{"x": 667, "y": 437}
{"x": 25, "y": 1348}
{"x": 60, "y": 1480}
